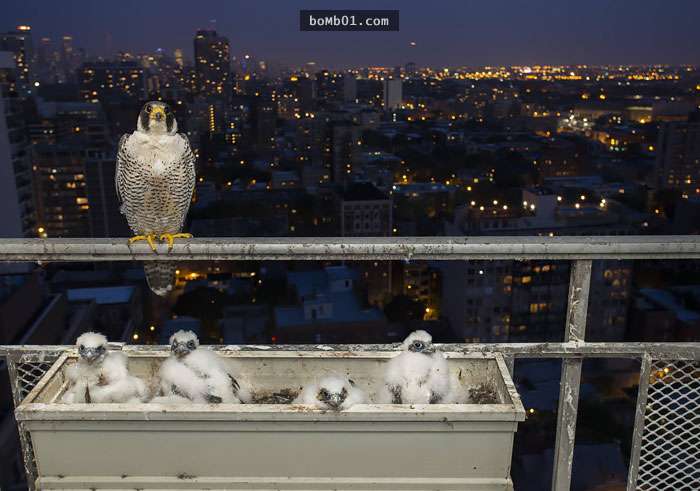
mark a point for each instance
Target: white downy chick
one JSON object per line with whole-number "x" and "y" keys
{"x": 100, "y": 376}
{"x": 333, "y": 393}
{"x": 418, "y": 375}
{"x": 199, "y": 374}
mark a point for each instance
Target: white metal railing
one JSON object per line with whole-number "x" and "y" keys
{"x": 650, "y": 437}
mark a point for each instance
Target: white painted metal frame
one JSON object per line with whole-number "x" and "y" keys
{"x": 582, "y": 250}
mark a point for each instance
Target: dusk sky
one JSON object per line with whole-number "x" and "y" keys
{"x": 446, "y": 33}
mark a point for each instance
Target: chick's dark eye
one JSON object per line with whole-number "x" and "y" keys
{"x": 167, "y": 110}
{"x": 190, "y": 344}
{"x": 100, "y": 348}
{"x": 82, "y": 347}
{"x": 149, "y": 108}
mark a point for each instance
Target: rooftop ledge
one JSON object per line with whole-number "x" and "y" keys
{"x": 357, "y": 248}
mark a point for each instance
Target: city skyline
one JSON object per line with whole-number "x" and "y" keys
{"x": 543, "y": 32}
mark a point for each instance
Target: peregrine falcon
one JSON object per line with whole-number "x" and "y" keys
{"x": 155, "y": 179}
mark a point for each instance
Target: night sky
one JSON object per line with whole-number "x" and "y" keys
{"x": 446, "y": 33}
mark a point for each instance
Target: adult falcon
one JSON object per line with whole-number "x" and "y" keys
{"x": 155, "y": 179}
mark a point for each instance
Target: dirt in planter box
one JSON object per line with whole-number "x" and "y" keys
{"x": 284, "y": 396}
{"x": 483, "y": 394}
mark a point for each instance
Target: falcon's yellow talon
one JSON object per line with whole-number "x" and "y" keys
{"x": 170, "y": 238}
{"x": 150, "y": 238}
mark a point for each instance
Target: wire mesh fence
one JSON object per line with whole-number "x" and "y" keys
{"x": 670, "y": 445}
{"x": 669, "y": 448}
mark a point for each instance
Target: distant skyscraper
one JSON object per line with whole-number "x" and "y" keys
{"x": 678, "y": 155}
{"x": 410, "y": 69}
{"x": 19, "y": 42}
{"x": 392, "y": 95}
{"x": 179, "y": 58}
{"x": 59, "y": 188}
{"x": 263, "y": 114}
{"x": 212, "y": 62}
{"x": 69, "y": 58}
{"x": 102, "y": 80}
{"x": 17, "y": 219}
{"x": 367, "y": 212}
{"x": 526, "y": 300}
{"x": 349, "y": 87}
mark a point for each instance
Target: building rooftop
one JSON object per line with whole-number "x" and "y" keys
{"x": 102, "y": 296}
{"x": 363, "y": 192}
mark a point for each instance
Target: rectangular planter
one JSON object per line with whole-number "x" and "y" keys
{"x": 265, "y": 446}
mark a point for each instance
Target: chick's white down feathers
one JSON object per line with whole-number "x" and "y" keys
{"x": 419, "y": 378}
{"x": 333, "y": 384}
{"x": 105, "y": 380}
{"x": 199, "y": 375}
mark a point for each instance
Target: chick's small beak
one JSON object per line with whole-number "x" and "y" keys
{"x": 335, "y": 401}
{"x": 180, "y": 349}
{"x": 91, "y": 355}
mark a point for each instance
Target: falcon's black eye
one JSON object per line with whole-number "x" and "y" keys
{"x": 417, "y": 345}
{"x": 82, "y": 347}
{"x": 191, "y": 345}
{"x": 148, "y": 108}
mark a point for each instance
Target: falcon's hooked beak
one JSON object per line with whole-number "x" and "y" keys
{"x": 157, "y": 113}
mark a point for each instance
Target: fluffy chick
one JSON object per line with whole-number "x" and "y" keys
{"x": 333, "y": 393}
{"x": 198, "y": 374}
{"x": 100, "y": 376}
{"x": 418, "y": 375}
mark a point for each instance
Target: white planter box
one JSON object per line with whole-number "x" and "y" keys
{"x": 371, "y": 446}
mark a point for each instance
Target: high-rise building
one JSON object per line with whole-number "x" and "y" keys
{"x": 678, "y": 155}
{"x": 69, "y": 58}
{"x": 103, "y": 81}
{"x": 105, "y": 218}
{"x": 179, "y": 58}
{"x": 16, "y": 200}
{"x": 48, "y": 62}
{"x": 60, "y": 189}
{"x": 212, "y": 61}
{"x": 349, "y": 87}
{"x": 392, "y": 94}
{"x": 263, "y": 114}
{"x": 410, "y": 69}
{"x": 19, "y": 42}
{"x": 365, "y": 211}
{"x": 527, "y": 300}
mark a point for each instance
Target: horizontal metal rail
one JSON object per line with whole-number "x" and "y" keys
{"x": 355, "y": 248}
{"x": 677, "y": 351}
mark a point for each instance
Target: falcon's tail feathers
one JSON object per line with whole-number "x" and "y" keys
{"x": 160, "y": 276}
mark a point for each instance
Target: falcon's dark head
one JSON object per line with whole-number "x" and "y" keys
{"x": 92, "y": 347}
{"x": 419, "y": 342}
{"x": 182, "y": 343}
{"x": 158, "y": 118}
{"x": 332, "y": 392}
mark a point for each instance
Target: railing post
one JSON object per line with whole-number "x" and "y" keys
{"x": 642, "y": 392}
{"x": 24, "y": 438}
{"x": 577, "y": 309}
